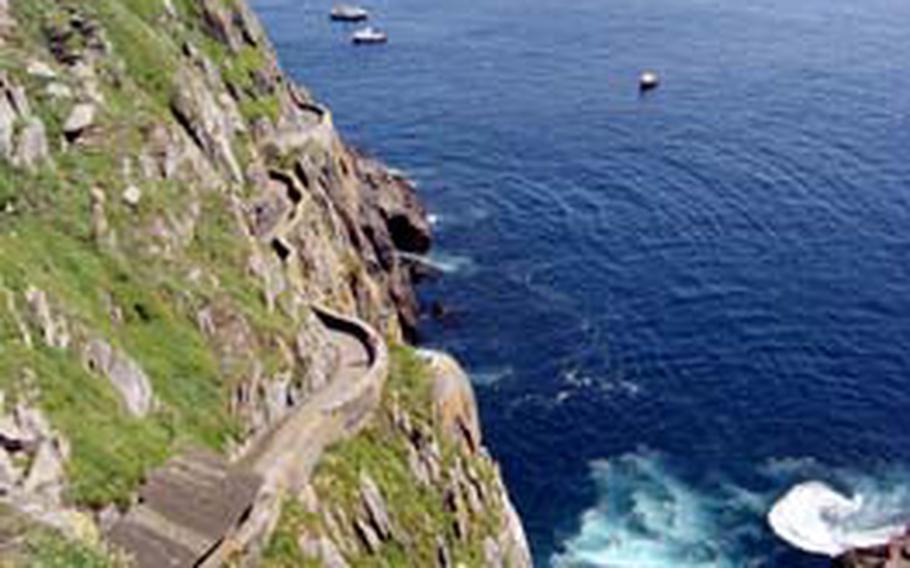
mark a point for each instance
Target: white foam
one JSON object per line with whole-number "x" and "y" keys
{"x": 816, "y": 518}
{"x": 441, "y": 262}
{"x": 647, "y": 517}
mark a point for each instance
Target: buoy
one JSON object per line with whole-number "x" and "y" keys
{"x": 648, "y": 80}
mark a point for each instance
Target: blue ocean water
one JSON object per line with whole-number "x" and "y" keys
{"x": 674, "y": 306}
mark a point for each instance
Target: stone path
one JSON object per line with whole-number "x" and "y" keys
{"x": 192, "y": 505}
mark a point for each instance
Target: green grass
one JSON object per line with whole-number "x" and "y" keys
{"x": 282, "y": 550}
{"x": 111, "y": 451}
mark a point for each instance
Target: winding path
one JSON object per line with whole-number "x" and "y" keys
{"x": 198, "y": 509}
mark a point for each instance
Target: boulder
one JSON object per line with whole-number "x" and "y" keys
{"x": 32, "y": 148}
{"x": 40, "y": 69}
{"x": 454, "y": 404}
{"x": 80, "y": 119}
{"x": 132, "y": 195}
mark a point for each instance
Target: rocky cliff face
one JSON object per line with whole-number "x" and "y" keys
{"x": 171, "y": 206}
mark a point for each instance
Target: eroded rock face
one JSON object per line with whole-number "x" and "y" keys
{"x": 124, "y": 374}
{"x": 32, "y": 455}
{"x": 454, "y": 404}
{"x": 23, "y": 138}
{"x": 197, "y": 110}
{"x": 375, "y": 507}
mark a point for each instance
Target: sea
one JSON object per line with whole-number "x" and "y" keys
{"x": 675, "y": 306}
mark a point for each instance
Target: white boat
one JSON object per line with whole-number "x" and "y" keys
{"x": 369, "y": 35}
{"x": 648, "y": 80}
{"x": 348, "y": 13}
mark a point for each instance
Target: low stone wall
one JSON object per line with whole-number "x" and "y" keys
{"x": 357, "y": 404}
{"x": 338, "y": 415}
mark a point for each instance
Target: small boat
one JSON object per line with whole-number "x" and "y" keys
{"x": 648, "y": 80}
{"x": 369, "y": 35}
{"x": 348, "y": 13}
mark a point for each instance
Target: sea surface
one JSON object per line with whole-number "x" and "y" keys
{"x": 674, "y": 306}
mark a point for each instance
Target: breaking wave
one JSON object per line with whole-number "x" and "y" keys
{"x": 647, "y": 517}
{"x": 815, "y": 517}
{"x": 441, "y": 262}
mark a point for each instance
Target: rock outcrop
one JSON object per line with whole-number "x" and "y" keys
{"x": 895, "y": 554}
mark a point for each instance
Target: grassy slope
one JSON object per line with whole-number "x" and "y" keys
{"x": 46, "y": 242}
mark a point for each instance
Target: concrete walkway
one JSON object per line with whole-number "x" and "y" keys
{"x": 197, "y": 509}
{"x": 287, "y": 455}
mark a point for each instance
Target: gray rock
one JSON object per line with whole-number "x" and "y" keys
{"x": 491, "y": 553}
{"x": 40, "y": 69}
{"x": 309, "y": 500}
{"x": 46, "y": 473}
{"x": 31, "y": 423}
{"x": 16, "y": 94}
{"x": 367, "y": 535}
{"x": 169, "y": 8}
{"x": 9, "y": 473}
{"x": 7, "y": 126}
{"x": 443, "y": 556}
{"x": 33, "y": 148}
{"x": 375, "y": 506}
{"x": 132, "y": 195}
{"x": 124, "y": 374}
{"x": 54, "y": 330}
{"x": 58, "y": 91}
{"x": 209, "y": 126}
{"x": 333, "y": 523}
{"x": 331, "y": 557}
{"x": 81, "y": 118}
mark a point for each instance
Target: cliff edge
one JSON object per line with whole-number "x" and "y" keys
{"x": 173, "y": 211}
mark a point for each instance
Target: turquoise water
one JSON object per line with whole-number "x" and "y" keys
{"x": 675, "y": 306}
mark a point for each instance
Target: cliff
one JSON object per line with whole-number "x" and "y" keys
{"x": 173, "y": 214}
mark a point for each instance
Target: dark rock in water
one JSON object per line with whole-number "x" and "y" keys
{"x": 893, "y": 555}
{"x": 438, "y": 310}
